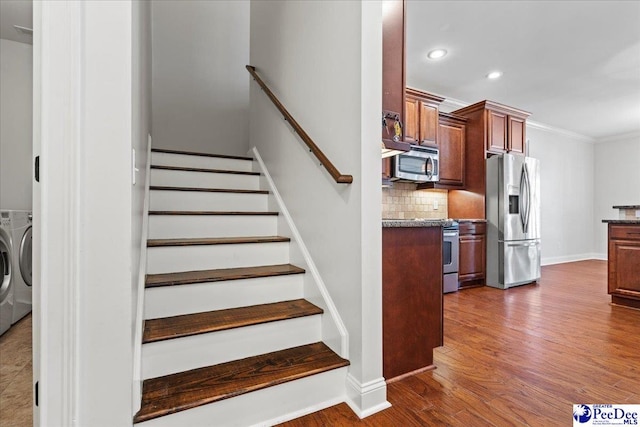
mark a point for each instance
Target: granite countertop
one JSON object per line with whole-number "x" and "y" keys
{"x": 398, "y": 223}
{"x": 627, "y": 207}
{"x": 471, "y": 220}
{"x": 621, "y": 221}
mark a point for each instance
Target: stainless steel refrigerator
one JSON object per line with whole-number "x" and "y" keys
{"x": 513, "y": 220}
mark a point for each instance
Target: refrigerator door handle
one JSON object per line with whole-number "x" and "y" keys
{"x": 521, "y": 207}
{"x": 527, "y": 184}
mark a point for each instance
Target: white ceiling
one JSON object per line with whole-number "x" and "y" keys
{"x": 16, "y": 12}
{"x": 575, "y": 65}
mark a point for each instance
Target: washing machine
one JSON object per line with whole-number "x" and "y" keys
{"x": 19, "y": 224}
{"x": 6, "y": 272}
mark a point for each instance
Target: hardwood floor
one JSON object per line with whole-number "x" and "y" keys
{"x": 518, "y": 357}
{"x": 510, "y": 358}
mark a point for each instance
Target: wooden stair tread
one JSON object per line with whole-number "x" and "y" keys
{"x": 213, "y": 213}
{"x": 189, "y": 389}
{"x": 207, "y": 190}
{"x": 211, "y": 321}
{"x": 194, "y": 153}
{"x": 221, "y": 274}
{"x": 188, "y": 169}
{"x": 151, "y": 243}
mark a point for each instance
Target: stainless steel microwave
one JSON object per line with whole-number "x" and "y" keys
{"x": 420, "y": 164}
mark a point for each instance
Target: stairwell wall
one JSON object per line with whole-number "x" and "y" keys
{"x": 200, "y": 90}
{"x": 323, "y": 61}
{"x": 141, "y": 128}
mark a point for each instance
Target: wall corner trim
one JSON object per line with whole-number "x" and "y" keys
{"x": 368, "y": 398}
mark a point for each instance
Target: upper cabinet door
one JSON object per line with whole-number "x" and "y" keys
{"x": 451, "y": 141}
{"x": 517, "y": 139}
{"x": 411, "y": 124}
{"x": 428, "y": 122}
{"x": 497, "y": 128}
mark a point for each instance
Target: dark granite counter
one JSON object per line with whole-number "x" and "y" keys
{"x": 396, "y": 223}
{"x": 621, "y": 221}
{"x": 627, "y": 207}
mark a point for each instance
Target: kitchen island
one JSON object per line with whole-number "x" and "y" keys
{"x": 411, "y": 294}
{"x": 624, "y": 257}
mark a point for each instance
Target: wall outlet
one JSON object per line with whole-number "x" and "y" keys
{"x": 638, "y": 213}
{"x": 435, "y": 205}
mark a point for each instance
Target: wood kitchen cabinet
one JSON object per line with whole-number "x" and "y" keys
{"x": 503, "y": 127}
{"x": 451, "y": 142}
{"x": 411, "y": 297}
{"x": 491, "y": 129}
{"x": 624, "y": 264}
{"x": 421, "y": 117}
{"x": 472, "y": 261}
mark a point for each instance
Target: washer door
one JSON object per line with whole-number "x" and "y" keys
{"x": 26, "y": 265}
{"x": 5, "y": 268}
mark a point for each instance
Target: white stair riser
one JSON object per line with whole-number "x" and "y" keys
{"x": 276, "y": 404}
{"x": 171, "y": 259}
{"x": 182, "y": 354}
{"x": 167, "y": 301}
{"x": 164, "y": 177}
{"x": 178, "y": 226}
{"x": 166, "y": 200}
{"x": 166, "y": 159}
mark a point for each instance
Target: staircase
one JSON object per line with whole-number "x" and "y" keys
{"x": 228, "y": 338}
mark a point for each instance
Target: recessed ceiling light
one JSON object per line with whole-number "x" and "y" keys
{"x": 494, "y": 75}
{"x": 437, "y": 54}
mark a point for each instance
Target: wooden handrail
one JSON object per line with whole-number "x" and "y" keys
{"x": 335, "y": 173}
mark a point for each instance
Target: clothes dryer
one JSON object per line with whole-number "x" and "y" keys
{"x": 6, "y": 273}
{"x": 20, "y": 228}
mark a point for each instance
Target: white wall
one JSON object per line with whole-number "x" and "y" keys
{"x": 567, "y": 180}
{"x": 323, "y": 61}
{"x": 200, "y": 85}
{"x": 141, "y": 128}
{"x": 16, "y": 82}
{"x": 617, "y": 172}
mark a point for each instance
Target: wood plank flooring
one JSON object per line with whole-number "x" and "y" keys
{"x": 518, "y": 357}
{"x": 511, "y": 358}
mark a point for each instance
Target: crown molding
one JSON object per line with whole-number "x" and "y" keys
{"x": 547, "y": 128}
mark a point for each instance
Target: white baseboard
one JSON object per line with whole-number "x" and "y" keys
{"x": 572, "y": 258}
{"x": 367, "y": 399}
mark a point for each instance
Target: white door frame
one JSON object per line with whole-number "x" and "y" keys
{"x": 82, "y": 213}
{"x": 57, "y": 80}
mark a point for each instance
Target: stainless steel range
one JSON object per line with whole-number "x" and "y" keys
{"x": 450, "y": 249}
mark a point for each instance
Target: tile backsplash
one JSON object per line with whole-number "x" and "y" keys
{"x": 403, "y": 201}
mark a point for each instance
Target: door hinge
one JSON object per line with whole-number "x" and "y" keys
{"x": 35, "y": 393}
{"x": 37, "y": 168}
